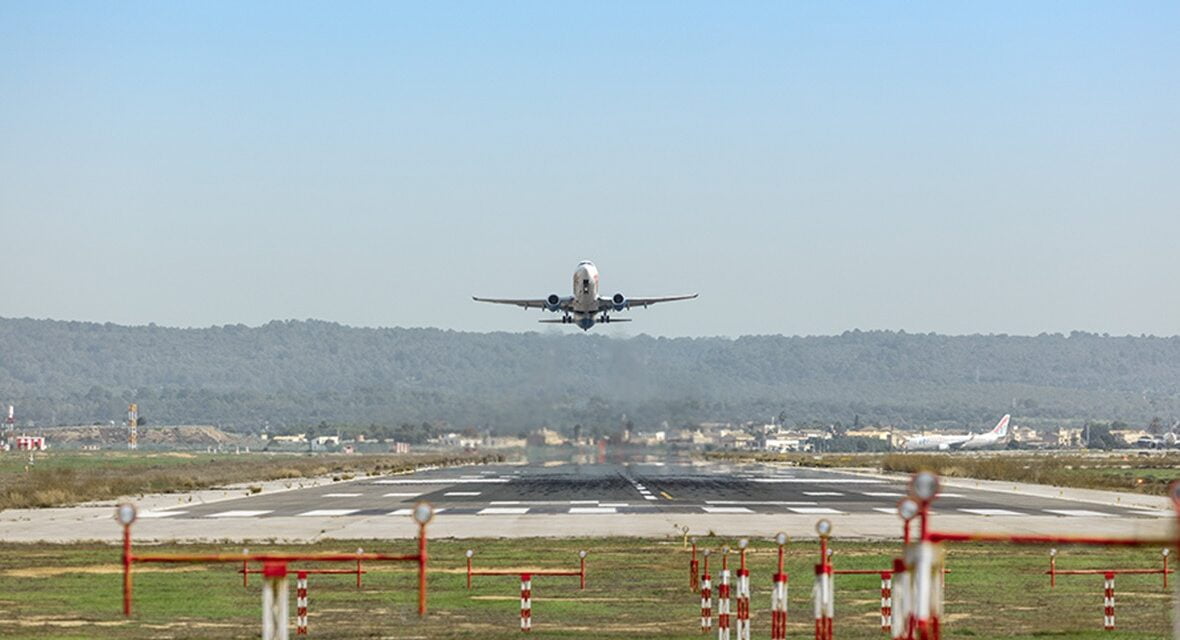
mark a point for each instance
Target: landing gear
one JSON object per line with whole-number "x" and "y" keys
{"x": 566, "y": 319}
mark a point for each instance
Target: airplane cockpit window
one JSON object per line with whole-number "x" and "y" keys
{"x": 585, "y": 285}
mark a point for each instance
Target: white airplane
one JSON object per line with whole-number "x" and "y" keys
{"x": 957, "y": 443}
{"x": 585, "y": 308}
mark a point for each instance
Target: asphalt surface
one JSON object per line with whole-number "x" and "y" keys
{"x": 635, "y": 488}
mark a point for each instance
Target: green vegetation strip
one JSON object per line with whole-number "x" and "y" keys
{"x": 65, "y": 478}
{"x": 635, "y": 589}
{"x": 1150, "y": 474}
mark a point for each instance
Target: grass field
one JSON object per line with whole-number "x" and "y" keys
{"x": 636, "y": 589}
{"x": 1119, "y": 471}
{"x": 70, "y": 477}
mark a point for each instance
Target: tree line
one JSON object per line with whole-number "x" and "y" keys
{"x": 289, "y": 373}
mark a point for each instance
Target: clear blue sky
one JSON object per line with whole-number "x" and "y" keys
{"x": 956, "y": 167}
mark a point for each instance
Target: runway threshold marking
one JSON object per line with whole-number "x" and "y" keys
{"x": 726, "y": 510}
{"x": 327, "y": 513}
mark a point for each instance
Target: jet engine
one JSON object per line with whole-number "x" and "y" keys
{"x": 619, "y": 301}
{"x": 553, "y": 302}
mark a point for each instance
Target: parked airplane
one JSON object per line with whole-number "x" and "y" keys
{"x": 996, "y": 436}
{"x": 585, "y": 308}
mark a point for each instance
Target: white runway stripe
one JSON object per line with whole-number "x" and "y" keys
{"x": 726, "y": 510}
{"x": 406, "y": 512}
{"x": 649, "y": 497}
{"x": 815, "y": 510}
{"x": 400, "y": 495}
{"x": 443, "y": 481}
{"x": 819, "y": 480}
{"x": 583, "y": 502}
{"x": 342, "y": 495}
{"x": 160, "y": 514}
{"x": 239, "y": 513}
{"x": 882, "y": 494}
{"x": 817, "y": 494}
{"x": 462, "y": 493}
{"x": 327, "y": 513}
{"x": 504, "y": 502}
{"x": 991, "y": 512}
{"x": 1080, "y": 513}
{"x": 613, "y": 504}
{"x": 950, "y": 495}
{"x": 801, "y": 503}
{"x": 593, "y": 510}
{"x": 503, "y": 511}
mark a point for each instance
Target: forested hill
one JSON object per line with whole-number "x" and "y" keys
{"x": 291, "y": 373}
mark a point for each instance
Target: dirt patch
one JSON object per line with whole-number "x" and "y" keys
{"x": 50, "y": 572}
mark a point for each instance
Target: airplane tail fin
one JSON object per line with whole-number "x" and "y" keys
{"x": 1001, "y": 429}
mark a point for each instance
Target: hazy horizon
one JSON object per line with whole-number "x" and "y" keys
{"x": 623, "y": 335}
{"x": 1001, "y": 168}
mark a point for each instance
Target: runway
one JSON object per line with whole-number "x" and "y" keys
{"x": 649, "y": 498}
{"x": 639, "y": 488}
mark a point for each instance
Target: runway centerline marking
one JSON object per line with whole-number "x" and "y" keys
{"x": 239, "y": 513}
{"x": 593, "y": 510}
{"x": 462, "y": 493}
{"x": 882, "y": 494}
{"x": 815, "y": 510}
{"x": 817, "y": 494}
{"x": 342, "y": 495}
{"x": 401, "y": 495}
{"x": 503, "y": 511}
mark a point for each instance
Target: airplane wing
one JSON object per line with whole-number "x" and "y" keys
{"x": 528, "y": 303}
{"x": 605, "y": 304}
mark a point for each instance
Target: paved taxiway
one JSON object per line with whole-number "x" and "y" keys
{"x": 641, "y": 498}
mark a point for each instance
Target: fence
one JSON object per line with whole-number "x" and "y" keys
{"x": 526, "y": 582}
{"x": 275, "y": 609}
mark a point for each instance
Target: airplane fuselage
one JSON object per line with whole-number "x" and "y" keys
{"x": 585, "y": 308}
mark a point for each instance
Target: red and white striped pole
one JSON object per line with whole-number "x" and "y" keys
{"x": 694, "y": 569}
{"x": 1108, "y": 602}
{"x": 824, "y": 589}
{"x": 778, "y": 596}
{"x": 301, "y": 603}
{"x": 274, "y": 601}
{"x": 743, "y": 594}
{"x": 899, "y": 623}
{"x": 723, "y": 597}
{"x": 886, "y": 600}
{"x": 706, "y": 597}
{"x": 526, "y": 602}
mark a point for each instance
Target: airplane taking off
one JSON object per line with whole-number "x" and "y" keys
{"x": 958, "y": 443}
{"x": 585, "y": 308}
